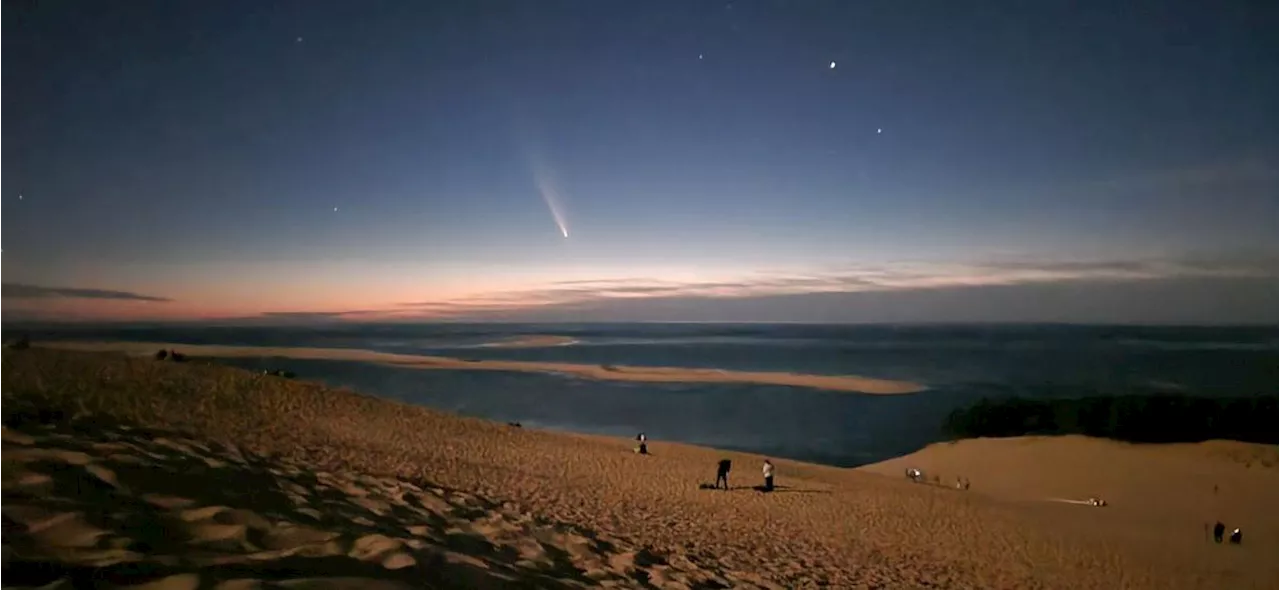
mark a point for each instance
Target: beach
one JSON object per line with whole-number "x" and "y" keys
{"x": 847, "y": 383}
{"x": 361, "y": 492}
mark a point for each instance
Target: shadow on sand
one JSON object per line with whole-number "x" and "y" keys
{"x": 247, "y": 516}
{"x": 776, "y": 489}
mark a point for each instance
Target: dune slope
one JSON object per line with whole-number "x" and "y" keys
{"x": 1161, "y": 497}
{"x": 480, "y": 504}
{"x": 130, "y": 507}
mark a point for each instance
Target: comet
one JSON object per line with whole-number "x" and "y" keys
{"x": 544, "y": 178}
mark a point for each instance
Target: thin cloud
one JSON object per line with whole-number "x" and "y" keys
{"x": 863, "y": 279}
{"x": 317, "y": 315}
{"x": 1191, "y": 301}
{"x": 276, "y": 318}
{"x": 1244, "y": 266}
{"x": 1072, "y": 267}
{"x": 24, "y": 291}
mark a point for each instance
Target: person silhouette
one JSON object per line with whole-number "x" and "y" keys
{"x": 722, "y": 473}
{"x": 768, "y": 475}
{"x": 1218, "y": 530}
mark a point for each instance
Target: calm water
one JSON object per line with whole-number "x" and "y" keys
{"x": 959, "y": 363}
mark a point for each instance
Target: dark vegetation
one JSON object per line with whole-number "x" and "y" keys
{"x": 1132, "y": 418}
{"x": 21, "y": 343}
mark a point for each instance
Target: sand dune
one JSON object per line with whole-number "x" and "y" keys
{"x": 121, "y": 507}
{"x": 610, "y": 372}
{"x": 1160, "y": 498}
{"x": 253, "y": 479}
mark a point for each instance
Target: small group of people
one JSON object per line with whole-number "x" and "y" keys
{"x": 172, "y": 355}
{"x": 722, "y": 469}
{"x": 918, "y": 476}
{"x": 1220, "y": 529}
{"x": 722, "y": 474}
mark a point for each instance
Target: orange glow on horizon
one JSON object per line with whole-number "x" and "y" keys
{"x": 388, "y": 292}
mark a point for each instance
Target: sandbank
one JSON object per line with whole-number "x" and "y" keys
{"x": 532, "y": 341}
{"x": 848, "y": 383}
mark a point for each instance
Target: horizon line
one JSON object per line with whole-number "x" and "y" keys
{"x": 270, "y": 323}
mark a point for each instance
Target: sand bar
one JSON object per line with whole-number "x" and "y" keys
{"x": 847, "y": 383}
{"x": 532, "y": 341}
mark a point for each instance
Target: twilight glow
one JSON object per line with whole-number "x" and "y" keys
{"x": 1015, "y": 163}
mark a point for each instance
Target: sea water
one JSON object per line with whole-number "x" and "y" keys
{"x": 958, "y": 363}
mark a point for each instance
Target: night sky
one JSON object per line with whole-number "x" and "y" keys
{"x": 708, "y": 161}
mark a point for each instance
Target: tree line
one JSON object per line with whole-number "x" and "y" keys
{"x": 1131, "y": 418}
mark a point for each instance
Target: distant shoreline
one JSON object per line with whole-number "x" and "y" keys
{"x": 847, "y": 383}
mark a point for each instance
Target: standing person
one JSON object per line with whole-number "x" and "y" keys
{"x": 768, "y": 476}
{"x": 722, "y": 473}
